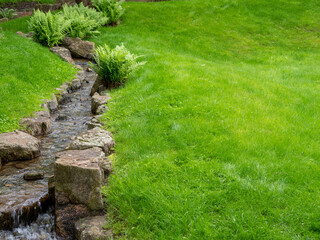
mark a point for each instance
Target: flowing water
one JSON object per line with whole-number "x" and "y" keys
{"x": 22, "y": 199}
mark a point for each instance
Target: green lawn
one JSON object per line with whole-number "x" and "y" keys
{"x": 218, "y": 134}
{"x": 28, "y": 73}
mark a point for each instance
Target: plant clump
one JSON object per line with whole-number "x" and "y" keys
{"x": 112, "y": 9}
{"x": 49, "y": 30}
{"x": 84, "y": 21}
{"x": 7, "y": 13}
{"x": 115, "y": 65}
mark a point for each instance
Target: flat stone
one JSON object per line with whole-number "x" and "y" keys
{"x": 95, "y": 137}
{"x": 102, "y": 109}
{"x": 92, "y": 125}
{"x": 33, "y": 175}
{"x": 91, "y": 228}
{"x": 18, "y": 145}
{"x": 97, "y": 101}
{"x": 79, "y": 176}
{"x": 63, "y": 53}
{"x": 36, "y": 126}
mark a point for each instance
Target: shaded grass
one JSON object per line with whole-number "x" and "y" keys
{"x": 28, "y": 74}
{"x": 217, "y": 135}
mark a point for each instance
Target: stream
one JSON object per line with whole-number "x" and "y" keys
{"x": 16, "y": 193}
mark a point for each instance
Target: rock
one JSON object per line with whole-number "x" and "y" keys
{"x": 106, "y": 167}
{"x": 63, "y": 53}
{"x": 4, "y": 20}
{"x": 91, "y": 228}
{"x": 43, "y": 114}
{"x": 89, "y": 69}
{"x": 21, "y": 34}
{"x": 92, "y": 125}
{"x": 45, "y": 107}
{"x": 95, "y": 137}
{"x": 78, "y": 67}
{"x": 51, "y": 186}
{"x": 36, "y": 126}
{"x": 33, "y": 175}
{"x": 54, "y": 98}
{"x": 75, "y": 84}
{"x": 52, "y": 106}
{"x": 97, "y": 86}
{"x": 65, "y": 218}
{"x": 79, "y": 48}
{"x": 18, "y": 145}
{"x": 102, "y": 109}
{"x": 97, "y": 101}
{"x": 78, "y": 175}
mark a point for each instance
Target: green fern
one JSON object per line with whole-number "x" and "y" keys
{"x": 84, "y": 21}
{"x": 111, "y": 9}
{"x": 48, "y": 29}
{"x": 115, "y": 65}
{"x": 7, "y": 13}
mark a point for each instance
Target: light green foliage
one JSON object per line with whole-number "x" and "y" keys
{"x": 112, "y": 9}
{"x": 29, "y": 73}
{"x": 48, "y": 29}
{"x": 7, "y": 13}
{"x": 115, "y": 65}
{"x": 217, "y": 137}
{"x": 84, "y": 21}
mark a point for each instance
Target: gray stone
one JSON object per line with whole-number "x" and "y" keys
{"x": 92, "y": 125}
{"x": 4, "y": 20}
{"x": 97, "y": 101}
{"x": 95, "y": 137}
{"x": 78, "y": 175}
{"x": 75, "y": 84}
{"x": 18, "y": 145}
{"x": 36, "y": 126}
{"x": 43, "y": 114}
{"x": 91, "y": 228}
{"x": 54, "y": 98}
{"x": 52, "y": 106}
{"x": 79, "y": 48}
{"x": 97, "y": 86}
{"x": 33, "y": 175}
{"x": 102, "y": 109}
{"x": 63, "y": 53}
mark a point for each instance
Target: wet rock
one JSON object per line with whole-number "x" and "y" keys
{"x": 65, "y": 218}
{"x": 95, "y": 137}
{"x": 89, "y": 69}
{"x": 79, "y": 176}
{"x": 79, "y": 48}
{"x": 43, "y": 114}
{"x": 51, "y": 186}
{"x": 37, "y": 126}
{"x": 33, "y": 175}
{"x": 61, "y": 117}
{"x": 92, "y": 125}
{"x": 97, "y": 86}
{"x": 75, "y": 84}
{"x": 63, "y": 53}
{"x": 18, "y": 145}
{"x": 91, "y": 228}
{"x": 97, "y": 101}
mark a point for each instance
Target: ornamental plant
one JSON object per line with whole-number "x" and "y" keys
{"x": 115, "y": 65}
{"x": 112, "y": 9}
{"x": 49, "y": 30}
{"x": 84, "y": 21}
{"x": 7, "y": 13}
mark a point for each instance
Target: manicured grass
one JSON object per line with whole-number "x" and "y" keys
{"x": 218, "y": 134}
{"x": 28, "y": 73}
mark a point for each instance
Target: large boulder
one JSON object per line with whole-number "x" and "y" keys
{"x": 18, "y": 145}
{"x": 37, "y": 126}
{"x": 79, "y": 48}
{"x": 91, "y": 228}
{"x": 63, "y": 53}
{"x": 97, "y": 101}
{"x": 78, "y": 177}
{"x": 95, "y": 137}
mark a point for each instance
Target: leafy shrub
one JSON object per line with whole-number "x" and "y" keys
{"x": 83, "y": 20}
{"x": 7, "y": 13}
{"x": 111, "y": 9}
{"x": 115, "y": 65}
{"x": 48, "y": 29}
